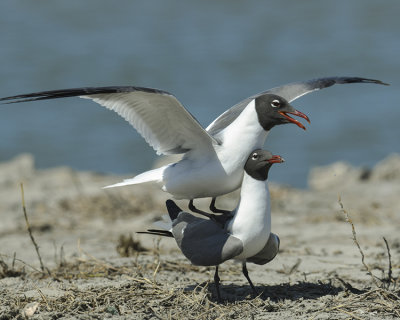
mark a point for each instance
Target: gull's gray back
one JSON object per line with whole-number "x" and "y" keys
{"x": 203, "y": 241}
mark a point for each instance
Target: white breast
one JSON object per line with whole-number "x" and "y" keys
{"x": 252, "y": 220}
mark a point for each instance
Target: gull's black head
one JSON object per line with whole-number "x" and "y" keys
{"x": 273, "y": 110}
{"x": 259, "y": 162}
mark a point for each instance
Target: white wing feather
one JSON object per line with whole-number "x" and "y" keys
{"x": 160, "y": 118}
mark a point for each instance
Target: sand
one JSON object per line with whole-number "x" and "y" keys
{"x": 95, "y": 266}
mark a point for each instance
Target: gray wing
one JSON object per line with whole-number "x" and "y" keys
{"x": 157, "y": 115}
{"x": 203, "y": 241}
{"x": 290, "y": 92}
{"x": 295, "y": 90}
{"x": 268, "y": 253}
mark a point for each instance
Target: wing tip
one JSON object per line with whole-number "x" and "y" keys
{"x": 368, "y": 80}
{"x": 79, "y": 92}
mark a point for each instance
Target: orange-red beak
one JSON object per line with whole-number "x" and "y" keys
{"x": 276, "y": 159}
{"x": 295, "y": 113}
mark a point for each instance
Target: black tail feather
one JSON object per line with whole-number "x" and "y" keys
{"x": 156, "y": 232}
{"x": 173, "y": 209}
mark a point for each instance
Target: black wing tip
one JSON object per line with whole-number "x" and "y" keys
{"x": 76, "y": 92}
{"x": 173, "y": 209}
{"x": 362, "y": 80}
{"x": 320, "y": 83}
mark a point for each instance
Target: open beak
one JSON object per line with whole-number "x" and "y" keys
{"x": 276, "y": 159}
{"x": 295, "y": 113}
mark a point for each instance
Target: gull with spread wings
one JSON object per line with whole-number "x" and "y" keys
{"x": 214, "y": 157}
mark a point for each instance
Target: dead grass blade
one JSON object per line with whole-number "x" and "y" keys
{"x": 42, "y": 267}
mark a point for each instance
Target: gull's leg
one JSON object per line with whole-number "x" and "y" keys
{"x": 194, "y": 209}
{"x": 216, "y": 281}
{"x": 221, "y": 219}
{"x": 216, "y": 210}
{"x": 246, "y": 274}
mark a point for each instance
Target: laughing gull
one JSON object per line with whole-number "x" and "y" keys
{"x": 214, "y": 157}
{"x": 245, "y": 235}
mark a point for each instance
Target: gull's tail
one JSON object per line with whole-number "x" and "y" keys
{"x": 157, "y": 232}
{"x": 164, "y": 226}
{"x": 154, "y": 175}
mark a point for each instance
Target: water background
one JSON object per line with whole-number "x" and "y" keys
{"x": 210, "y": 55}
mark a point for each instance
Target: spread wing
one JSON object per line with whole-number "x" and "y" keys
{"x": 157, "y": 115}
{"x": 290, "y": 92}
{"x": 295, "y": 90}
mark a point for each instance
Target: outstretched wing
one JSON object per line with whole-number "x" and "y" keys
{"x": 157, "y": 115}
{"x": 290, "y": 92}
{"x": 295, "y": 90}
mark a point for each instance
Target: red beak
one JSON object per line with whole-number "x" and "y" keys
{"x": 276, "y": 159}
{"x": 295, "y": 113}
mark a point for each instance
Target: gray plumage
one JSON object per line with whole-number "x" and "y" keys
{"x": 204, "y": 242}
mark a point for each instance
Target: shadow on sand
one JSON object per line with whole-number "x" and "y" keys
{"x": 275, "y": 293}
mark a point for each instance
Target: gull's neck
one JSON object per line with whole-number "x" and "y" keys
{"x": 241, "y": 137}
{"x": 252, "y": 217}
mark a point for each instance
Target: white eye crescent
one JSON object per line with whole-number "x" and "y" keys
{"x": 254, "y": 156}
{"x": 275, "y": 103}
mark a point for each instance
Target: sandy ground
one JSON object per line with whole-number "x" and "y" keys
{"x": 95, "y": 266}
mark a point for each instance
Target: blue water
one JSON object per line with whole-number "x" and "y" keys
{"x": 209, "y": 54}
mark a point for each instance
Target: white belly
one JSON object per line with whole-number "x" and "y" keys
{"x": 190, "y": 180}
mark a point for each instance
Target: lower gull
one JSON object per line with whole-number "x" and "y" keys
{"x": 244, "y": 235}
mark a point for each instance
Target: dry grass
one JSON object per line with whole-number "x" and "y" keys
{"x": 93, "y": 288}
{"x": 145, "y": 286}
{"x": 382, "y": 299}
{"x": 144, "y": 296}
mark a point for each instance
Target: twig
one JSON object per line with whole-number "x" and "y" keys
{"x": 349, "y": 313}
{"x": 390, "y": 279}
{"x": 42, "y": 267}
{"x": 19, "y": 260}
{"x": 353, "y": 229}
{"x": 13, "y": 262}
{"x": 155, "y": 271}
{"x": 43, "y": 298}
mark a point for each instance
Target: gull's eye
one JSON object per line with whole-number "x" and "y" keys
{"x": 254, "y": 156}
{"x": 275, "y": 104}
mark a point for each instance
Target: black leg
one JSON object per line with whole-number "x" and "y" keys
{"x": 246, "y": 274}
{"x": 216, "y": 281}
{"x": 220, "y": 219}
{"x": 194, "y": 209}
{"x": 216, "y": 210}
